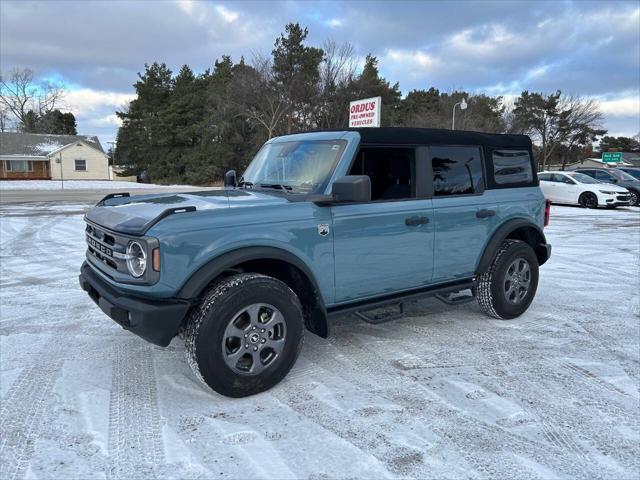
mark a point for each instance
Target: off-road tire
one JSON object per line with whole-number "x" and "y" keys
{"x": 588, "y": 200}
{"x": 207, "y": 322}
{"x": 490, "y": 284}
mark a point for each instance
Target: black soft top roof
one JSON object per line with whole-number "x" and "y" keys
{"x": 436, "y": 136}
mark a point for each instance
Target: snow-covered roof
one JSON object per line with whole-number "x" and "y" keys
{"x": 41, "y": 145}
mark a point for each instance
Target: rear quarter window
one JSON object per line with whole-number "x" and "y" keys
{"x": 512, "y": 167}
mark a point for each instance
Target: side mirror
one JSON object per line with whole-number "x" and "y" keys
{"x": 614, "y": 180}
{"x": 352, "y": 188}
{"x": 230, "y": 179}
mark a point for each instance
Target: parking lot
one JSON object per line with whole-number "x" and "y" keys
{"x": 444, "y": 392}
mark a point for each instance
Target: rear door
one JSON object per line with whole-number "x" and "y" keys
{"x": 464, "y": 215}
{"x": 386, "y": 245}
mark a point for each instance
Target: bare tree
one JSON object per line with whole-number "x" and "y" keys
{"x": 258, "y": 98}
{"x": 557, "y": 121}
{"x": 24, "y": 98}
{"x": 337, "y": 72}
{"x": 4, "y": 118}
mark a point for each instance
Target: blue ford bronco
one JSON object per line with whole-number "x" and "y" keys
{"x": 320, "y": 224}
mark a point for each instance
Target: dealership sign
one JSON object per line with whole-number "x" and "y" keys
{"x": 611, "y": 157}
{"x": 365, "y": 113}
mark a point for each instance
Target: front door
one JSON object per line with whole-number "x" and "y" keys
{"x": 382, "y": 248}
{"x": 386, "y": 245}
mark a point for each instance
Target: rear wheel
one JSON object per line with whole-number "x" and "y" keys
{"x": 245, "y": 335}
{"x": 588, "y": 200}
{"x": 507, "y": 289}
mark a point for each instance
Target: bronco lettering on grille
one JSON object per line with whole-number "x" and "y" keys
{"x": 99, "y": 247}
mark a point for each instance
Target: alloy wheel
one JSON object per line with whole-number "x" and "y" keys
{"x": 254, "y": 339}
{"x": 517, "y": 281}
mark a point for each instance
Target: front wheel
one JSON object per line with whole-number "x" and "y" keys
{"x": 588, "y": 200}
{"x": 634, "y": 198}
{"x": 245, "y": 335}
{"x": 507, "y": 288}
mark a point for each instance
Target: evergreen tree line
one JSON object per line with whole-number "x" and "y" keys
{"x": 189, "y": 128}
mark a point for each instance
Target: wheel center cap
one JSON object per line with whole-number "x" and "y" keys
{"x": 254, "y": 338}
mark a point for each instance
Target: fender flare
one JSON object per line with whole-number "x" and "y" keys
{"x": 540, "y": 246}
{"x": 213, "y": 268}
{"x": 315, "y": 312}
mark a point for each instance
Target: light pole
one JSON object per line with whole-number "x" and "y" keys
{"x": 61, "y": 176}
{"x": 463, "y": 106}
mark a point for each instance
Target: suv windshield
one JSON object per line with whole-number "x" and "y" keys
{"x": 302, "y": 166}
{"x": 582, "y": 178}
{"x": 634, "y": 173}
{"x": 620, "y": 175}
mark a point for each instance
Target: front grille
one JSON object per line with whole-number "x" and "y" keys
{"x": 623, "y": 198}
{"x": 107, "y": 248}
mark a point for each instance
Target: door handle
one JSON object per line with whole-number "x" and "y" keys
{"x": 414, "y": 221}
{"x": 484, "y": 213}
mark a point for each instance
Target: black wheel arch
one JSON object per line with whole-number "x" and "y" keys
{"x": 271, "y": 261}
{"x": 517, "y": 229}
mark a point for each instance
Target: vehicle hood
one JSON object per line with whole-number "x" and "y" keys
{"x": 136, "y": 214}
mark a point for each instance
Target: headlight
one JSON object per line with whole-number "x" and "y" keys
{"x": 136, "y": 259}
{"x": 607, "y": 192}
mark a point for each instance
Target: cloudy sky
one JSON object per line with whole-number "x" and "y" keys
{"x": 96, "y": 48}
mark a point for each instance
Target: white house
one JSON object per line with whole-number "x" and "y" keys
{"x": 34, "y": 156}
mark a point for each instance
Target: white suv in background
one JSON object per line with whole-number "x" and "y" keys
{"x": 573, "y": 188}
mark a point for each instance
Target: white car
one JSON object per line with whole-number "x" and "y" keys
{"x": 573, "y": 188}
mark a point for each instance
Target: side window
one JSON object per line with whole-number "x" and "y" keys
{"x": 512, "y": 167}
{"x": 546, "y": 177}
{"x": 391, "y": 170}
{"x": 456, "y": 170}
{"x": 604, "y": 176}
{"x": 563, "y": 179}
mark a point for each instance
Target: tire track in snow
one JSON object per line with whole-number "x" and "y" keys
{"x": 135, "y": 437}
{"x": 24, "y": 411}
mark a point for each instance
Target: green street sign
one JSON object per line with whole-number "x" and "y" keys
{"x": 611, "y": 157}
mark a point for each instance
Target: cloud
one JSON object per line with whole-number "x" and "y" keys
{"x": 86, "y": 101}
{"x": 625, "y": 105}
{"x": 498, "y": 47}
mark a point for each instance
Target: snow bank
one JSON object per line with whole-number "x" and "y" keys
{"x": 444, "y": 392}
{"x": 79, "y": 185}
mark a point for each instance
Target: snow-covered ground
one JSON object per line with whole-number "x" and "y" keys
{"x": 79, "y": 185}
{"x": 443, "y": 393}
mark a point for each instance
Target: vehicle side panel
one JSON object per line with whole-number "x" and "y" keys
{"x": 190, "y": 241}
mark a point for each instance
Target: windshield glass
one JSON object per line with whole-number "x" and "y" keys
{"x": 634, "y": 173}
{"x": 620, "y": 175}
{"x": 300, "y": 166}
{"x": 582, "y": 178}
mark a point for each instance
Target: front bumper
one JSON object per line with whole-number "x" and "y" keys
{"x": 617, "y": 200}
{"x": 157, "y": 321}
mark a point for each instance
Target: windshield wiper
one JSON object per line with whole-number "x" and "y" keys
{"x": 285, "y": 188}
{"x": 242, "y": 183}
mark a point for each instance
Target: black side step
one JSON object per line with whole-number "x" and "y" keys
{"x": 457, "y": 298}
{"x": 381, "y": 317}
{"x": 397, "y": 299}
